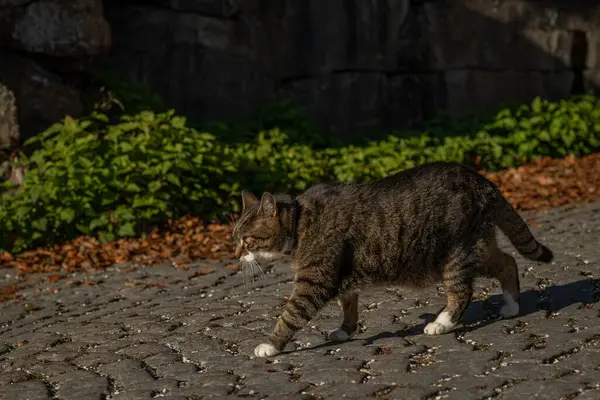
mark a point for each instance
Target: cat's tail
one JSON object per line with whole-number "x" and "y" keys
{"x": 517, "y": 231}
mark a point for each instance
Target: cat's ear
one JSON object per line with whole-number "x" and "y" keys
{"x": 268, "y": 206}
{"x": 248, "y": 200}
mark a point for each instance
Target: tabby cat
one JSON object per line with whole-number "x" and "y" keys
{"x": 428, "y": 224}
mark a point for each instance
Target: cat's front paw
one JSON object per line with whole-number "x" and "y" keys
{"x": 442, "y": 324}
{"x": 435, "y": 328}
{"x": 339, "y": 335}
{"x": 265, "y": 350}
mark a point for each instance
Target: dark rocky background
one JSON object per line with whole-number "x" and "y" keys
{"x": 355, "y": 65}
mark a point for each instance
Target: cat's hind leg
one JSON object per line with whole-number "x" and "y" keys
{"x": 458, "y": 283}
{"x": 349, "y": 305}
{"x": 503, "y": 267}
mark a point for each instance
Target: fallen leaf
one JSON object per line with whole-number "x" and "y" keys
{"x": 54, "y": 278}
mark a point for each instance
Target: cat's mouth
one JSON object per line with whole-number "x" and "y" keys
{"x": 256, "y": 256}
{"x": 248, "y": 257}
{"x": 244, "y": 255}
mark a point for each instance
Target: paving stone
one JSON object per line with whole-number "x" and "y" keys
{"x": 82, "y": 385}
{"x": 194, "y": 338}
{"x": 31, "y": 390}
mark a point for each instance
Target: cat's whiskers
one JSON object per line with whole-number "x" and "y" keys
{"x": 245, "y": 272}
{"x": 251, "y": 271}
{"x": 231, "y": 219}
{"x": 261, "y": 273}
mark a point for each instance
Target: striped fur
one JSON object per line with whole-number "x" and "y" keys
{"x": 434, "y": 223}
{"x": 517, "y": 231}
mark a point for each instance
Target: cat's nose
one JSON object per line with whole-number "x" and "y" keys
{"x": 238, "y": 251}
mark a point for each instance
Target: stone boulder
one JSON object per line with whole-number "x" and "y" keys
{"x": 60, "y": 28}
{"x": 42, "y": 96}
{"x": 9, "y": 128}
{"x": 46, "y": 46}
{"x": 9, "y": 132}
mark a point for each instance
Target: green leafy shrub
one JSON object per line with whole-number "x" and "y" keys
{"x": 91, "y": 176}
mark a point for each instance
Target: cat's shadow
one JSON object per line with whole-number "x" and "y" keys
{"x": 481, "y": 313}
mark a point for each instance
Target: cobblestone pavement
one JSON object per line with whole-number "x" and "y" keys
{"x": 137, "y": 333}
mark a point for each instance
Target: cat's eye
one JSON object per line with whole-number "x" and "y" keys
{"x": 248, "y": 241}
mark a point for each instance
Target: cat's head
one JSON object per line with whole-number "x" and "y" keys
{"x": 259, "y": 234}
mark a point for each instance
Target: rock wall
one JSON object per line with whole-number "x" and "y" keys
{"x": 356, "y": 65}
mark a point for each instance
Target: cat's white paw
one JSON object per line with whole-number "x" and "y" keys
{"x": 510, "y": 308}
{"x": 442, "y": 324}
{"x": 265, "y": 350}
{"x": 339, "y": 335}
{"x": 435, "y": 328}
